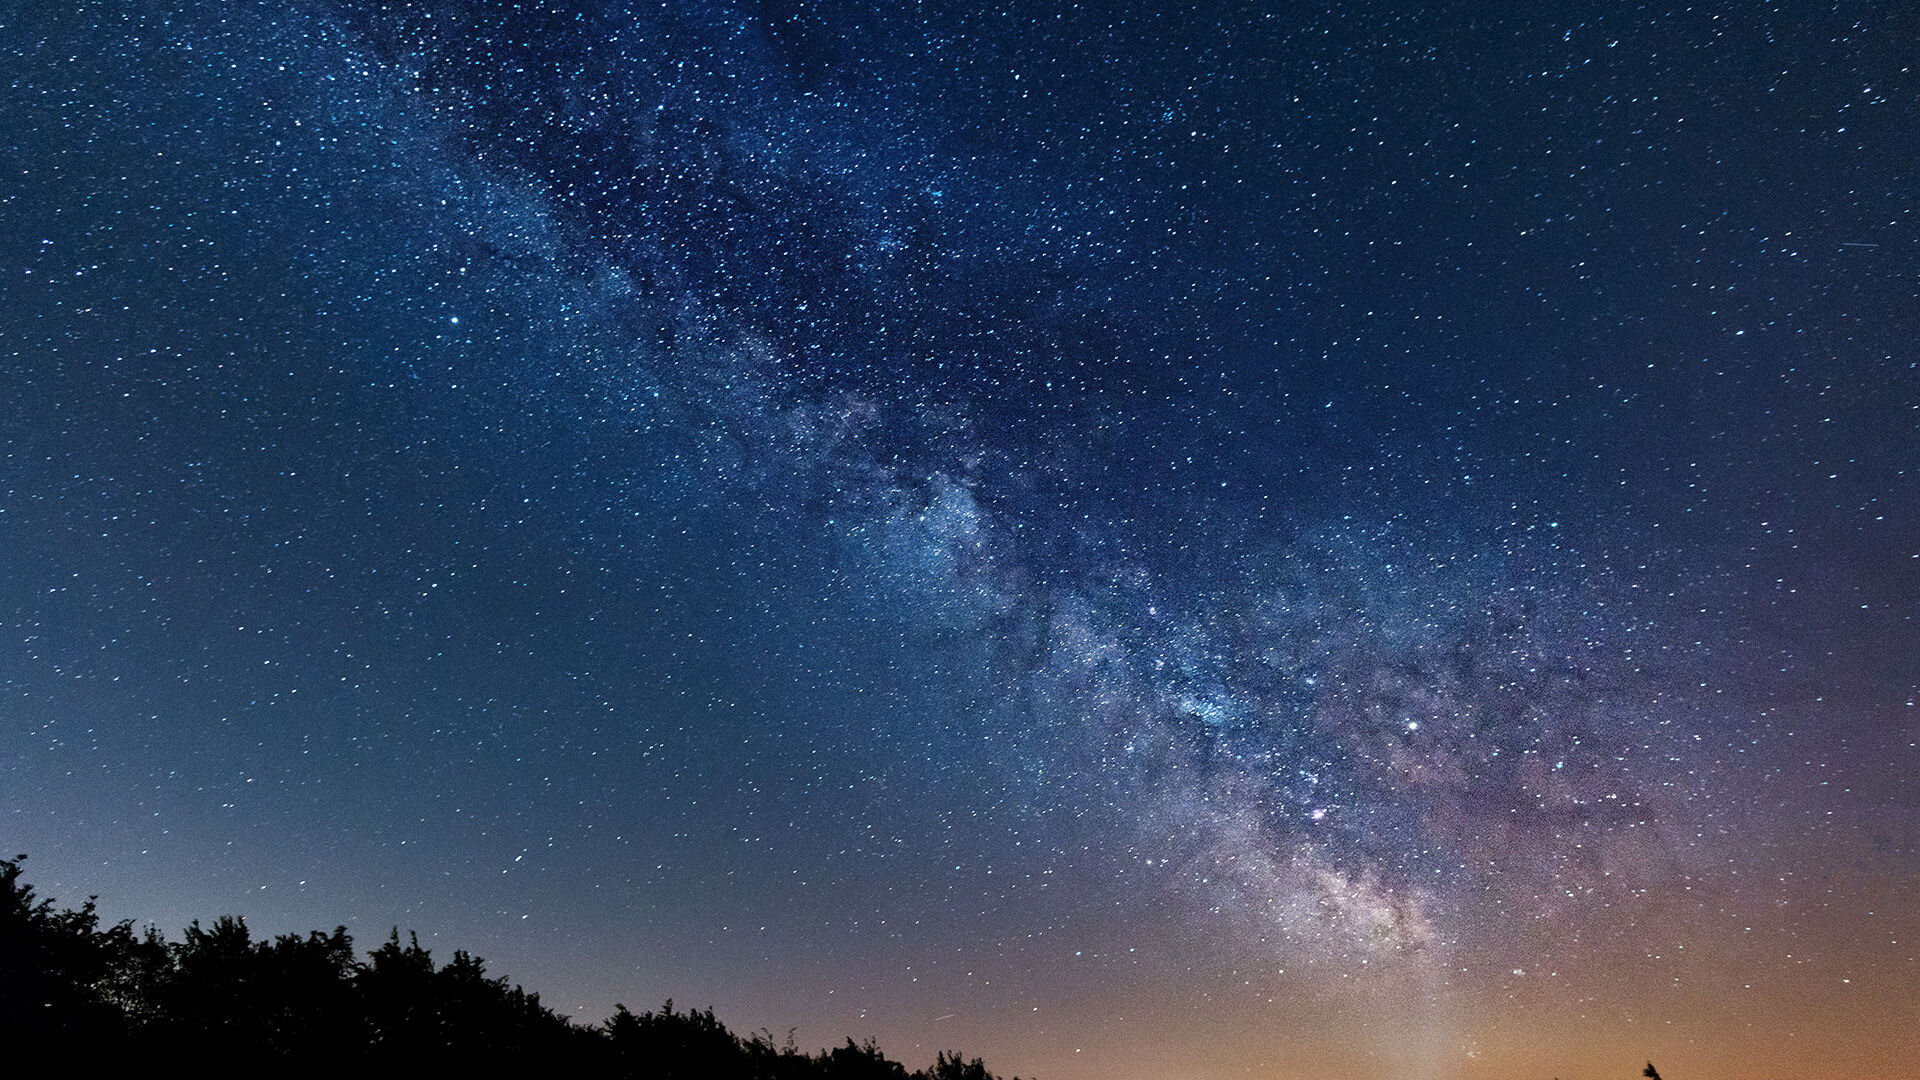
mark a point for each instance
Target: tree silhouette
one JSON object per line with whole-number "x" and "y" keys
{"x": 765, "y": 1061}
{"x": 59, "y": 971}
{"x": 673, "y": 1045}
{"x": 862, "y": 1062}
{"x": 954, "y": 1067}
{"x": 421, "y": 1017}
{"x": 221, "y": 1002}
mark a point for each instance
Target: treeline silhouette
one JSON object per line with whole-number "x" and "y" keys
{"x": 220, "y": 1002}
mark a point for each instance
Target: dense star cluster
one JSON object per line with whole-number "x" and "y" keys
{"x": 1364, "y": 541}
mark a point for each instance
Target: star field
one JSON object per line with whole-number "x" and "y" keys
{"x": 1368, "y": 543}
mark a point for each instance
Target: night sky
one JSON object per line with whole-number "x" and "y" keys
{"x": 1236, "y": 540}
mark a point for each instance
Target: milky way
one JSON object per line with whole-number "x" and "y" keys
{"x": 1358, "y": 543}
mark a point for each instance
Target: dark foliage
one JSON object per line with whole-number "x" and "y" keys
{"x": 63, "y": 980}
{"x": 222, "y": 1003}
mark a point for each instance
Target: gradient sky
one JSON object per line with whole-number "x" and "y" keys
{"x": 1237, "y": 540}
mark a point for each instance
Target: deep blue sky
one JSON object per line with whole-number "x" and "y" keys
{"x": 1352, "y": 542}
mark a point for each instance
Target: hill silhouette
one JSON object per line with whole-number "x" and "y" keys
{"x": 222, "y": 1003}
